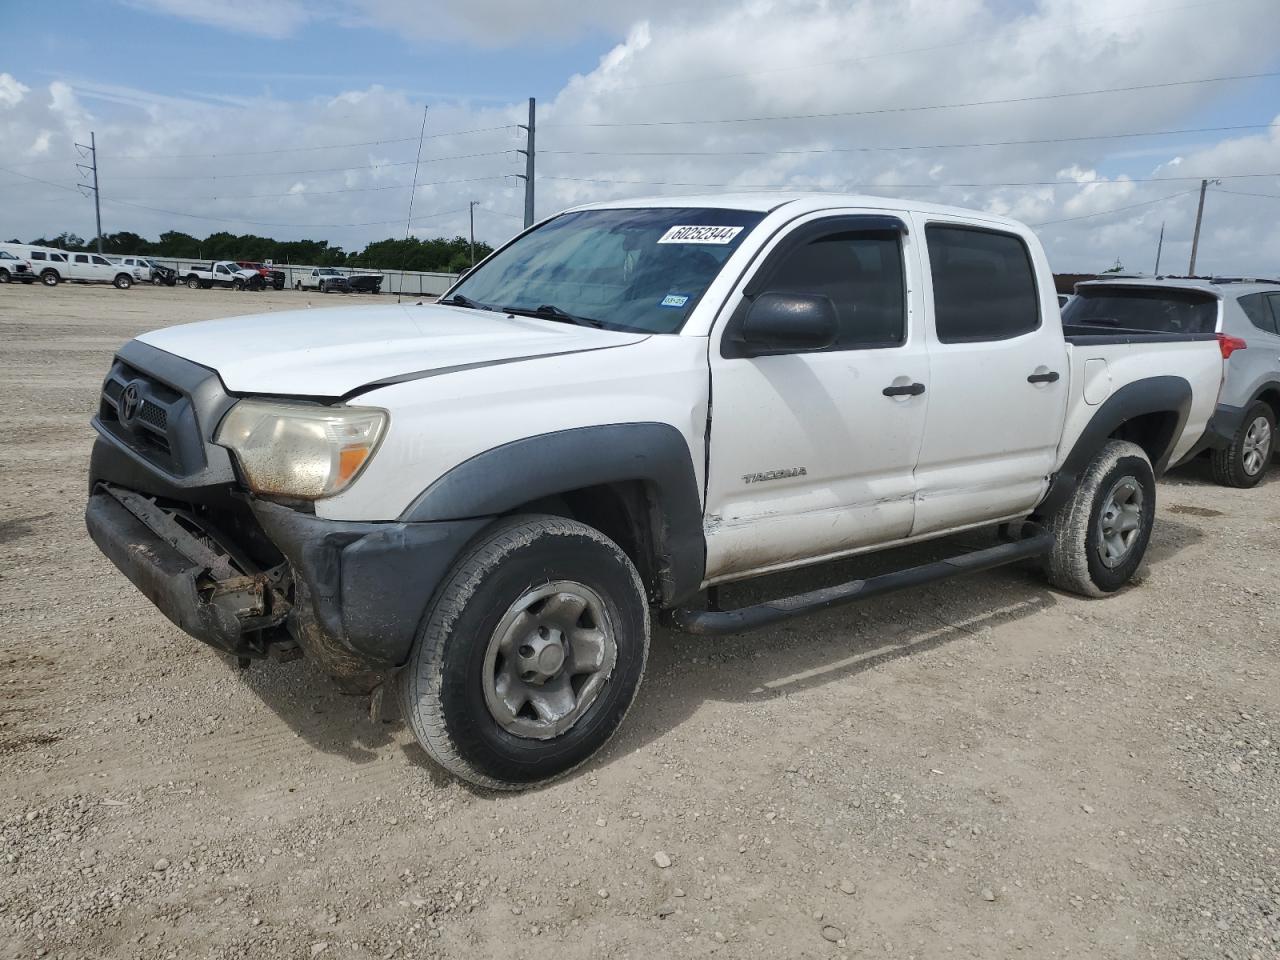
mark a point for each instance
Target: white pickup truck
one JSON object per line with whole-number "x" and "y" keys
{"x": 479, "y": 502}
{"x": 222, "y": 273}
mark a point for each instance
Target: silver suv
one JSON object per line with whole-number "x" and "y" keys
{"x": 1245, "y": 314}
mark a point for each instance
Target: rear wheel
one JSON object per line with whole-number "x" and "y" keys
{"x": 123, "y": 281}
{"x": 50, "y": 278}
{"x": 530, "y": 655}
{"x": 193, "y": 283}
{"x": 1101, "y": 532}
{"x": 1244, "y": 462}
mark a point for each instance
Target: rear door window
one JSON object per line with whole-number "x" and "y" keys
{"x": 1142, "y": 309}
{"x": 984, "y": 286}
{"x": 1273, "y": 300}
{"x": 82, "y": 258}
{"x": 1260, "y": 313}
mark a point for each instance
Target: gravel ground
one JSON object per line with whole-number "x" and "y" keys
{"x": 982, "y": 769}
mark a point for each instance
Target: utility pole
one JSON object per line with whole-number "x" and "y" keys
{"x": 472, "y": 212}
{"x": 527, "y": 176}
{"x": 1159, "y": 247}
{"x": 1195, "y": 239}
{"x": 92, "y": 167}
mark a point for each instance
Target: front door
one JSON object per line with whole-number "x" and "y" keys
{"x": 809, "y": 456}
{"x": 998, "y": 378}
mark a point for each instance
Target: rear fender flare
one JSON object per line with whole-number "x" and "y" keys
{"x": 1151, "y": 395}
{"x": 499, "y": 480}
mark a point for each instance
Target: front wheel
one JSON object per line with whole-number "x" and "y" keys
{"x": 237, "y": 284}
{"x": 1244, "y": 462}
{"x": 123, "y": 281}
{"x": 530, "y": 655}
{"x": 1101, "y": 532}
{"x": 50, "y": 278}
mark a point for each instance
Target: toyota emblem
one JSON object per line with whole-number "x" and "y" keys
{"x": 130, "y": 404}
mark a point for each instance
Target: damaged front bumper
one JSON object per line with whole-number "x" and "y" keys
{"x": 189, "y": 578}
{"x": 349, "y": 595}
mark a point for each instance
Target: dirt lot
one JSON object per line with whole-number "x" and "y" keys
{"x": 982, "y": 769}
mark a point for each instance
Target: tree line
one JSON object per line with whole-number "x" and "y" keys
{"x": 441, "y": 254}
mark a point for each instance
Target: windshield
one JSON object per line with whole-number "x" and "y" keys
{"x": 327, "y": 272}
{"x": 640, "y": 269}
{"x": 1153, "y": 309}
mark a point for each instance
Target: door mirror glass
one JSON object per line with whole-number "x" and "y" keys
{"x": 787, "y": 323}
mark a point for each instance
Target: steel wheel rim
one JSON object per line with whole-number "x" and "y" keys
{"x": 1120, "y": 522}
{"x": 1257, "y": 446}
{"x": 549, "y": 659}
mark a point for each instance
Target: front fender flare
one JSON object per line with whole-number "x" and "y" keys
{"x": 532, "y": 468}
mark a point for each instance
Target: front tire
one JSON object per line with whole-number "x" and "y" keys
{"x": 1244, "y": 462}
{"x": 4, "y": 276}
{"x": 123, "y": 281}
{"x": 50, "y": 278}
{"x": 1101, "y": 533}
{"x": 530, "y": 655}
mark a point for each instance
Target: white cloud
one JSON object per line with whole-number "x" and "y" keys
{"x": 11, "y": 91}
{"x": 872, "y": 61}
{"x": 263, "y": 18}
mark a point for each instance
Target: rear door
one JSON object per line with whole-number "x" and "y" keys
{"x": 80, "y": 267}
{"x": 809, "y": 457}
{"x": 1258, "y": 364}
{"x": 998, "y": 377}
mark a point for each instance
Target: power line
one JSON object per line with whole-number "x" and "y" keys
{"x": 267, "y": 223}
{"x": 934, "y": 106}
{"x": 324, "y": 193}
{"x": 1103, "y": 213}
{"x": 896, "y": 147}
{"x": 293, "y": 173}
{"x": 1242, "y": 193}
{"x": 901, "y": 186}
{"x": 263, "y": 153}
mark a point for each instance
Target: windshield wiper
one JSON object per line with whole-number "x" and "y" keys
{"x": 458, "y": 300}
{"x": 1101, "y": 321}
{"x": 549, "y": 311}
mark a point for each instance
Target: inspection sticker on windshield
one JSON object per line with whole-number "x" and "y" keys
{"x": 691, "y": 234}
{"x": 674, "y": 300}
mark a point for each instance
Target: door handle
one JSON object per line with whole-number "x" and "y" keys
{"x": 906, "y": 390}
{"x": 1050, "y": 377}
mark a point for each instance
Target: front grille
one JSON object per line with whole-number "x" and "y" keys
{"x": 160, "y": 425}
{"x": 154, "y": 414}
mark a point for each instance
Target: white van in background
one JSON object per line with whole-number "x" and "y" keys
{"x": 53, "y": 266}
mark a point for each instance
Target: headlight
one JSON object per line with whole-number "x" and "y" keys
{"x": 294, "y": 450}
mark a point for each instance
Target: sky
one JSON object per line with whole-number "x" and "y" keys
{"x": 1093, "y": 120}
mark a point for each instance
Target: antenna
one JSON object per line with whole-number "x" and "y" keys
{"x": 408, "y": 223}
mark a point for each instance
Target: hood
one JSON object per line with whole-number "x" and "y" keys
{"x": 333, "y": 351}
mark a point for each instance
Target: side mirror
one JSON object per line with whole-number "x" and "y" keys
{"x": 787, "y": 323}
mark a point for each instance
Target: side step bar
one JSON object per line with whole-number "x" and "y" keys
{"x": 718, "y": 623}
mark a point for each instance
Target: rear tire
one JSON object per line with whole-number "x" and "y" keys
{"x": 1101, "y": 533}
{"x": 529, "y": 656}
{"x": 1244, "y": 462}
{"x": 193, "y": 283}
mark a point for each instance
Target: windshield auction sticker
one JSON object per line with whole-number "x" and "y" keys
{"x": 689, "y": 234}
